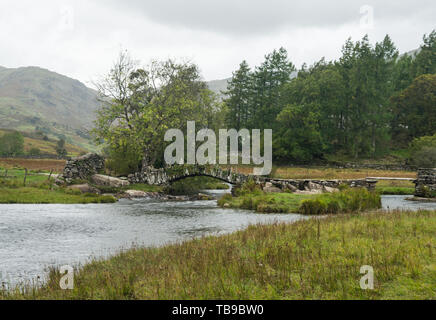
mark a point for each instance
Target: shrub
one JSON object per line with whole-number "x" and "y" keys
{"x": 35, "y": 152}
{"x": 423, "y": 151}
{"x": 313, "y": 207}
{"x": 225, "y": 199}
{"x": 347, "y": 201}
{"x": 248, "y": 187}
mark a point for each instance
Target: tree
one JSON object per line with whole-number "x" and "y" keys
{"x": 34, "y": 152}
{"x": 425, "y": 62}
{"x": 239, "y": 97}
{"x": 140, "y": 104}
{"x": 11, "y": 144}
{"x": 60, "y": 149}
{"x": 300, "y": 138}
{"x": 414, "y": 109}
{"x": 423, "y": 151}
{"x": 267, "y": 82}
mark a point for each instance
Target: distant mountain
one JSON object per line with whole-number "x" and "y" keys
{"x": 33, "y": 98}
{"x": 218, "y": 86}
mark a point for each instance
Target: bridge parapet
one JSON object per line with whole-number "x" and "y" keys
{"x": 426, "y": 183}
{"x": 169, "y": 175}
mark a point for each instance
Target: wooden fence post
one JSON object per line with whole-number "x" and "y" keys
{"x": 25, "y": 176}
{"x": 51, "y": 172}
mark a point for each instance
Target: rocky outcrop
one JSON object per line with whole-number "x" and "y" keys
{"x": 81, "y": 168}
{"x": 426, "y": 183}
{"x": 102, "y": 180}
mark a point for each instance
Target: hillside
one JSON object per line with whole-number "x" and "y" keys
{"x": 218, "y": 86}
{"x": 46, "y": 147}
{"x": 35, "y": 98}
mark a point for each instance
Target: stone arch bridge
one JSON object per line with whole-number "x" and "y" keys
{"x": 172, "y": 174}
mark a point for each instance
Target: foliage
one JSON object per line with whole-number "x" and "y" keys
{"x": 11, "y": 144}
{"x": 423, "y": 152}
{"x": 140, "y": 104}
{"x": 415, "y": 110}
{"x": 347, "y": 201}
{"x": 352, "y": 107}
{"x": 60, "y": 149}
{"x": 35, "y": 152}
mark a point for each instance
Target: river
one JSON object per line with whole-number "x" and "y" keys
{"x": 34, "y": 237}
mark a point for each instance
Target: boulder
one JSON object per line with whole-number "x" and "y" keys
{"x": 291, "y": 188}
{"x": 313, "y": 186}
{"x": 103, "y": 180}
{"x": 272, "y": 190}
{"x": 136, "y": 194}
{"x": 84, "y": 188}
{"x": 330, "y": 190}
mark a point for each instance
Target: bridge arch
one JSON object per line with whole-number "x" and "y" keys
{"x": 172, "y": 174}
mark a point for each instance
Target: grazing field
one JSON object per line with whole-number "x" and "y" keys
{"x": 33, "y": 164}
{"x": 312, "y": 259}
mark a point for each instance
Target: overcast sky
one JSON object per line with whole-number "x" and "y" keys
{"x": 82, "y": 38}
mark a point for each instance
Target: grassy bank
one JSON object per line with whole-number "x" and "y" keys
{"x": 349, "y": 200}
{"x": 37, "y": 195}
{"x": 395, "y": 187}
{"x": 40, "y": 189}
{"x": 313, "y": 259}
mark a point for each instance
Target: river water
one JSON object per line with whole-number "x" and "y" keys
{"x": 34, "y": 237}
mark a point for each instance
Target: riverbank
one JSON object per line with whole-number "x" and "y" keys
{"x": 39, "y": 188}
{"x": 312, "y": 259}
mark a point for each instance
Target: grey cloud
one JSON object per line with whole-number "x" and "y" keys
{"x": 262, "y": 17}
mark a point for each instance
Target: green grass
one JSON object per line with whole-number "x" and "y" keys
{"x": 395, "y": 187}
{"x": 349, "y": 200}
{"x": 395, "y": 191}
{"x": 40, "y": 190}
{"x": 265, "y": 203}
{"x": 34, "y": 195}
{"x": 312, "y": 259}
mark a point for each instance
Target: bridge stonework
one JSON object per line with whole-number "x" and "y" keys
{"x": 169, "y": 175}
{"x": 426, "y": 183}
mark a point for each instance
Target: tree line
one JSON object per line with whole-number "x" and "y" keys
{"x": 367, "y": 102}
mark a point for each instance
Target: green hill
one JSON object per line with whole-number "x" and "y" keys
{"x": 33, "y": 98}
{"x": 46, "y": 147}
